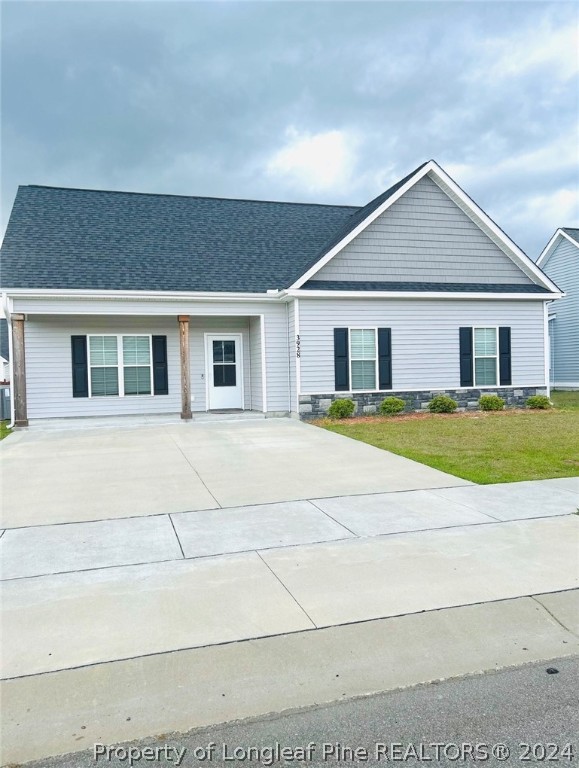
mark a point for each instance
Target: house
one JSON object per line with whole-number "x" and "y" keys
{"x": 560, "y": 261}
{"x": 166, "y": 304}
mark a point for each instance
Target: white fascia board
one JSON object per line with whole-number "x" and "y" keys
{"x": 55, "y": 293}
{"x": 552, "y": 244}
{"x": 423, "y": 295}
{"x": 356, "y": 231}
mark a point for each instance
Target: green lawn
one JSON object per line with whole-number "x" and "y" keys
{"x": 482, "y": 447}
{"x": 4, "y": 431}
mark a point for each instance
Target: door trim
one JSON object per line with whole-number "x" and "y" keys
{"x": 223, "y": 337}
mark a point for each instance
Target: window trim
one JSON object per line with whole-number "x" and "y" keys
{"x": 494, "y": 357}
{"x": 373, "y": 328}
{"x": 120, "y": 364}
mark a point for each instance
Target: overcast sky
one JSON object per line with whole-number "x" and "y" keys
{"x": 326, "y": 102}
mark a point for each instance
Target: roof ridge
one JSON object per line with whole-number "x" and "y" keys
{"x": 190, "y": 197}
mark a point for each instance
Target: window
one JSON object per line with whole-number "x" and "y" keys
{"x": 485, "y": 357}
{"x": 109, "y": 376}
{"x": 363, "y": 358}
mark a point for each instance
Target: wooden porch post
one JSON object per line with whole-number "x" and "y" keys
{"x": 185, "y": 367}
{"x": 19, "y": 366}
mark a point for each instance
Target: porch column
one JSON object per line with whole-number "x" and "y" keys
{"x": 185, "y": 366}
{"x": 19, "y": 368}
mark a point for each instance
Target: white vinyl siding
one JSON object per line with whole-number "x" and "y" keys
{"x": 425, "y": 338}
{"x": 485, "y": 357}
{"x": 424, "y": 236}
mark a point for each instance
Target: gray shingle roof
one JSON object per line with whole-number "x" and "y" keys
{"x": 369, "y": 285}
{"x": 572, "y": 232}
{"x": 72, "y": 238}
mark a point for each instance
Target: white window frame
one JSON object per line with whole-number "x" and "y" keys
{"x": 119, "y": 365}
{"x": 363, "y": 328}
{"x": 494, "y": 357}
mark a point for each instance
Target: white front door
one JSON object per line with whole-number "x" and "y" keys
{"x": 224, "y": 371}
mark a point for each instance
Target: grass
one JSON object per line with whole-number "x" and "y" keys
{"x": 484, "y": 447}
{"x": 4, "y": 431}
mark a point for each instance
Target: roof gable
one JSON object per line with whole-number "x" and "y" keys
{"x": 435, "y": 174}
{"x": 568, "y": 234}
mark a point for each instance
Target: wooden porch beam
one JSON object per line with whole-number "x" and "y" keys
{"x": 185, "y": 367}
{"x": 19, "y": 368}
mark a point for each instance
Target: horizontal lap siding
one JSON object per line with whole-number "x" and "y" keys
{"x": 255, "y": 359}
{"x": 425, "y": 345}
{"x": 292, "y": 355}
{"x": 563, "y": 268}
{"x": 49, "y": 367}
{"x": 276, "y": 358}
{"x": 423, "y": 236}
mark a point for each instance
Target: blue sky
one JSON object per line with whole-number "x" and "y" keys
{"x": 327, "y": 102}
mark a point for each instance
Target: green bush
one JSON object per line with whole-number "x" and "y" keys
{"x": 391, "y": 405}
{"x": 541, "y": 402}
{"x": 491, "y": 403}
{"x": 342, "y": 408}
{"x": 442, "y": 404}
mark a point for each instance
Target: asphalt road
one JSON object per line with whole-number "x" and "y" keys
{"x": 512, "y": 708}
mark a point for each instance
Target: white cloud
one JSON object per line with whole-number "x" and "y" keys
{"x": 538, "y": 47}
{"x": 315, "y": 162}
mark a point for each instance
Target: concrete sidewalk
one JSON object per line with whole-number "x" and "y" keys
{"x": 61, "y": 548}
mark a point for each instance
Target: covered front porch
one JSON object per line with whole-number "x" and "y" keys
{"x": 140, "y": 366}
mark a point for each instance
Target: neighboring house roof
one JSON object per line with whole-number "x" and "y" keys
{"x": 80, "y": 239}
{"x": 572, "y": 232}
{"x": 4, "y": 347}
{"x": 567, "y": 233}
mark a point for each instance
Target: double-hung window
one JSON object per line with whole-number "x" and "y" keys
{"x": 119, "y": 365}
{"x": 363, "y": 358}
{"x": 485, "y": 357}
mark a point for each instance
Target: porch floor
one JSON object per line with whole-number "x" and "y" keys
{"x": 129, "y": 422}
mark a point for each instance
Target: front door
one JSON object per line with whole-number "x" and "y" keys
{"x": 224, "y": 371}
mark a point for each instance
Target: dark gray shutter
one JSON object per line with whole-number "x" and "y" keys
{"x": 160, "y": 374}
{"x": 384, "y": 358}
{"x": 466, "y": 367}
{"x": 341, "y": 360}
{"x": 79, "y": 366}
{"x": 505, "y": 356}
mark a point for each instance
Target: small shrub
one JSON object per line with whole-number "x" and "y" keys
{"x": 391, "y": 405}
{"x": 491, "y": 403}
{"x": 442, "y": 404}
{"x": 342, "y": 408}
{"x": 541, "y": 402}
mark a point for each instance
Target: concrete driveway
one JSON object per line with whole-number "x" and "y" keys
{"x": 77, "y": 475}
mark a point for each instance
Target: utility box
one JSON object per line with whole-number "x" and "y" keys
{"x": 4, "y": 402}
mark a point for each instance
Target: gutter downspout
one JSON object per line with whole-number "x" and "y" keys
{"x": 7, "y": 308}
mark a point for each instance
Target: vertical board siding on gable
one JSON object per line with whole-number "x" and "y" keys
{"x": 425, "y": 338}
{"x": 49, "y": 366}
{"x": 563, "y": 267}
{"x": 255, "y": 361}
{"x": 423, "y": 236}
